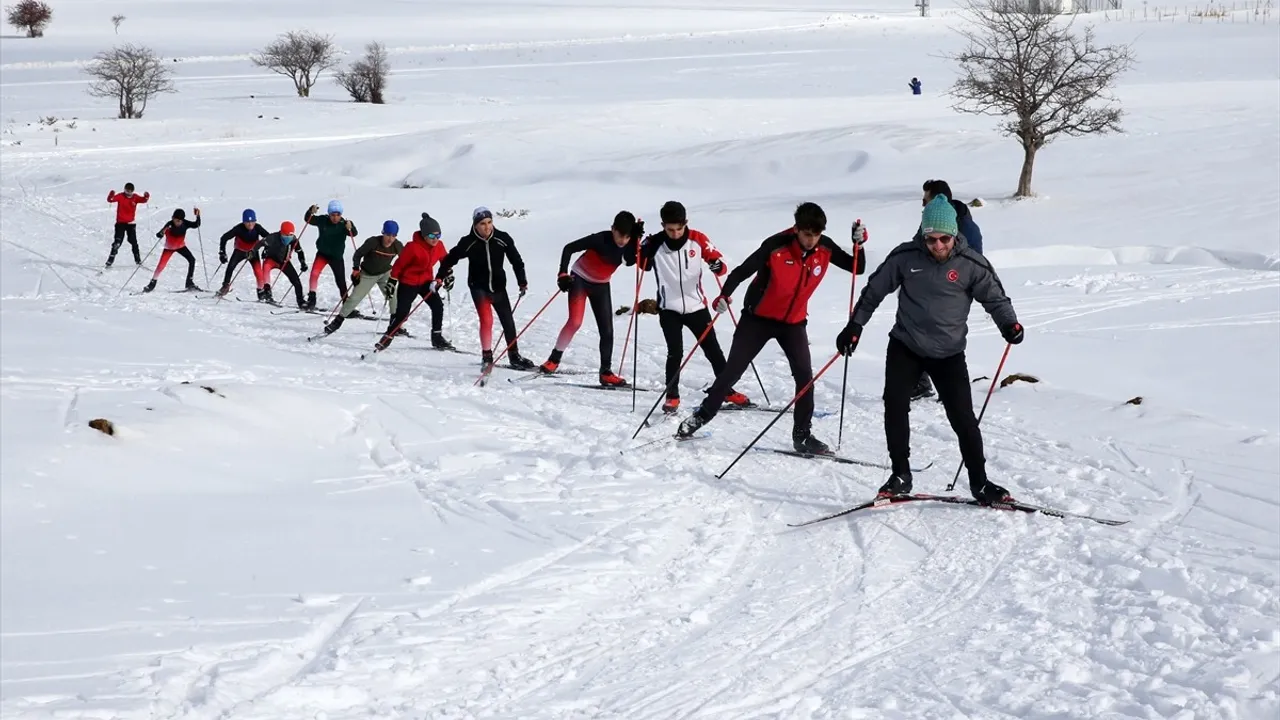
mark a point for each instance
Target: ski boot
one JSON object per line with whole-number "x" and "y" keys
{"x": 519, "y": 362}
{"x": 608, "y": 379}
{"x": 898, "y": 484}
{"x": 553, "y": 362}
{"x": 261, "y": 297}
{"x": 987, "y": 492}
{"x": 311, "y": 301}
{"x": 192, "y": 287}
{"x": 382, "y": 344}
{"x": 403, "y": 331}
{"x": 222, "y": 291}
{"x": 671, "y": 405}
{"x": 150, "y": 286}
{"x": 111, "y": 259}
{"x": 736, "y": 398}
{"x": 804, "y": 442}
{"x": 923, "y": 388}
{"x": 486, "y": 358}
{"x": 266, "y": 294}
{"x": 333, "y": 325}
{"x": 691, "y": 424}
{"x": 439, "y": 343}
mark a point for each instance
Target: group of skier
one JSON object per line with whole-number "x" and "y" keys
{"x": 937, "y": 275}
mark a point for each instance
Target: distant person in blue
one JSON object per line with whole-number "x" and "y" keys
{"x": 915, "y": 86}
{"x": 968, "y": 230}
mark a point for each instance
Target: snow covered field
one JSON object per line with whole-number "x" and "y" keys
{"x": 316, "y": 537}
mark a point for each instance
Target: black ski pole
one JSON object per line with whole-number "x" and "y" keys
{"x": 990, "y": 390}
{"x": 781, "y": 412}
{"x": 853, "y": 284}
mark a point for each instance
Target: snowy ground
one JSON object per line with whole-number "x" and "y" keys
{"x": 316, "y": 537}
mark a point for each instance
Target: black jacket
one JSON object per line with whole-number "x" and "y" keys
{"x": 275, "y": 248}
{"x": 486, "y": 261}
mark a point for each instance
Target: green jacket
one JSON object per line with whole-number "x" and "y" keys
{"x": 373, "y": 259}
{"x": 332, "y": 240}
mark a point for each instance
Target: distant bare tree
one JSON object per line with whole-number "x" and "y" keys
{"x": 300, "y": 55}
{"x": 366, "y": 79}
{"x": 115, "y": 22}
{"x": 32, "y": 16}
{"x": 131, "y": 74}
{"x": 1033, "y": 70}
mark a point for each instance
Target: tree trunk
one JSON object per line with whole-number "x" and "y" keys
{"x": 1028, "y": 164}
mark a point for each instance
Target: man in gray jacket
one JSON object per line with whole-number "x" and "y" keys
{"x": 938, "y": 276}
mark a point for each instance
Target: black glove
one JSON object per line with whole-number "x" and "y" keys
{"x": 1012, "y": 333}
{"x": 302, "y": 265}
{"x": 565, "y": 282}
{"x": 523, "y": 289}
{"x": 222, "y": 256}
{"x": 448, "y": 281}
{"x": 391, "y": 286}
{"x": 355, "y": 278}
{"x": 716, "y": 266}
{"x": 637, "y": 232}
{"x": 847, "y": 339}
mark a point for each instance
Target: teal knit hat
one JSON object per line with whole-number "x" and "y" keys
{"x": 939, "y": 217}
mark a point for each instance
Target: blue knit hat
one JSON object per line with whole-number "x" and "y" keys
{"x": 391, "y": 227}
{"x": 939, "y": 217}
{"x": 335, "y": 207}
{"x": 249, "y": 216}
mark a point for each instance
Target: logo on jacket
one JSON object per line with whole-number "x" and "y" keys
{"x": 817, "y": 270}
{"x": 692, "y": 252}
{"x": 952, "y": 275}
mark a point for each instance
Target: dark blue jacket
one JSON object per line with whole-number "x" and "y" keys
{"x": 968, "y": 228}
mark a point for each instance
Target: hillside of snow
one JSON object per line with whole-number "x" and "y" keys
{"x": 281, "y": 530}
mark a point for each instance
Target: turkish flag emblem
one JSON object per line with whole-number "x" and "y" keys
{"x": 952, "y": 275}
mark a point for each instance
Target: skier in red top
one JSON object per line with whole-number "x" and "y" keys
{"x": 602, "y": 254}
{"x": 126, "y": 208}
{"x": 174, "y": 233}
{"x": 413, "y": 276}
{"x": 788, "y": 267}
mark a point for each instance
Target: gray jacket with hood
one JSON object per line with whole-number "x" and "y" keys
{"x": 934, "y": 297}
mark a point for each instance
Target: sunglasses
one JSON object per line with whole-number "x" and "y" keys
{"x": 944, "y": 240}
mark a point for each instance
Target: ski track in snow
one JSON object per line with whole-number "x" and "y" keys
{"x": 467, "y": 552}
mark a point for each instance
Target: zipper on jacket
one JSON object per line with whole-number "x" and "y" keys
{"x": 488, "y": 254}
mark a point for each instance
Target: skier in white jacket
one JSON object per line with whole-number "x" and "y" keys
{"x": 676, "y": 256}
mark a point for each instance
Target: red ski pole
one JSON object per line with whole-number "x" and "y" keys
{"x": 639, "y": 279}
{"x": 995, "y": 378}
{"x": 392, "y": 332}
{"x": 781, "y": 412}
{"x": 514, "y": 308}
{"x": 485, "y": 373}
{"x": 672, "y": 381}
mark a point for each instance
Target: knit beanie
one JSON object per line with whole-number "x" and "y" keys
{"x": 428, "y": 225}
{"x": 939, "y": 217}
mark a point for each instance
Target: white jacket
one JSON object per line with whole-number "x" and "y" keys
{"x": 679, "y": 272}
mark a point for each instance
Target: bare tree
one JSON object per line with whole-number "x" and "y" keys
{"x": 33, "y": 16}
{"x": 366, "y": 79}
{"x": 1036, "y": 72}
{"x": 115, "y": 22}
{"x": 131, "y": 74}
{"x": 299, "y": 55}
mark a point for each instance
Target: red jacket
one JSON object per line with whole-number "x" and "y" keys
{"x": 416, "y": 263}
{"x": 786, "y": 276}
{"x": 126, "y": 205}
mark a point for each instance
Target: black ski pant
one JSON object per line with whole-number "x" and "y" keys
{"x": 164, "y": 260}
{"x": 673, "y": 325}
{"x": 749, "y": 339}
{"x": 487, "y": 305}
{"x": 902, "y": 370}
{"x": 601, "y": 307}
{"x": 123, "y": 229}
{"x": 405, "y": 297}
{"x": 287, "y": 269}
{"x": 339, "y": 267}
{"x": 239, "y": 256}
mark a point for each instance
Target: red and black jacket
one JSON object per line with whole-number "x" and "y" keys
{"x": 246, "y": 239}
{"x": 786, "y": 276}
{"x": 601, "y": 256}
